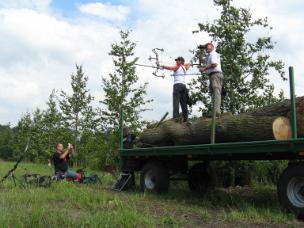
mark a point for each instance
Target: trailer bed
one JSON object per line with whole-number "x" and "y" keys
{"x": 256, "y": 150}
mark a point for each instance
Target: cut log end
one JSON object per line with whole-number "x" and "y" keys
{"x": 281, "y": 128}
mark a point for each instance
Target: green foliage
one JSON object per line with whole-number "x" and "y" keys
{"x": 269, "y": 171}
{"x": 122, "y": 93}
{"x": 246, "y": 64}
{"x": 244, "y": 173}
{"x": 6, "y": 142}
{"x": 121, "y": 88}
{"x": 23, "y": 131}
{"x": 45, "y": 129}
{"x": 77, "y": 111}
{"x": 54, "y": 130}
{"x": 36, "y": 126}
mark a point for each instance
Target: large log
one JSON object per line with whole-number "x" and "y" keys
{"x": 229, "y": 128}
{"x": 257, "y": 125}
{"x": 283, "y": 109}
{"x": 278, "y": 109}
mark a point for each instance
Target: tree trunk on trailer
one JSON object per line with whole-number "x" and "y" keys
{"x": 265, "y": 123}
{"x": 283, "y": 109}
{"x": 229, "y": 128}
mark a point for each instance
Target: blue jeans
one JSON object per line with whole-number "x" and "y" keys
{"x": 70, "y": 174}
{"x": 67, "y": 174}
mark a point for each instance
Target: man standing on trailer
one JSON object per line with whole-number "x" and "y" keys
{"x": 179, "y": 87}
{"x": 214, "y": 71}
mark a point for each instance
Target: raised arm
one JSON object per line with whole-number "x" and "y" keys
{"x": 173, "y": 68}
{"x": 62, "y": 156}
{"x": 67, "y": 151}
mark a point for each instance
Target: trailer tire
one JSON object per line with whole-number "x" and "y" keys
{"x": 201, "y": 178}
{"x": 291, "y": 189}
{"x": 154, "y": 178}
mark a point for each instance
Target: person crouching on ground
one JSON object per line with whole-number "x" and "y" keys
{"x": 60, "y": 160}
{"x": 179, "y": 87}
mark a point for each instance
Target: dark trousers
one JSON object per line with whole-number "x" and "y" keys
{"x": 180, "y": 97}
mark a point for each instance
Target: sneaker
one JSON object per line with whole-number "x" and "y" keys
{"x": 54, "y": 178}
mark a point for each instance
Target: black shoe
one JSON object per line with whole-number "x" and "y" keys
{"x": 176, "y": 119}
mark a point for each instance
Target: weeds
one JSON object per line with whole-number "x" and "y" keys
{"x": 66, "y": 204}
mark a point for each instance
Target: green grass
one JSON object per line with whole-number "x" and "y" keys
{"x": 66, "y": 204}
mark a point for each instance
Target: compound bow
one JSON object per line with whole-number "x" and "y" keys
{"x": 156, "y": 58}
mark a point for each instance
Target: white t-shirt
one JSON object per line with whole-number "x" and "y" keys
{"x": 214, "y": 58}
{"x": 179, "y": 75}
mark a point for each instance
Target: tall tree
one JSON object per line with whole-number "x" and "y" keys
{"x": 53, "y": 125}
{"x": 246, "y": 65}
{"x": 22, "y": 132}
{"x": 77, "y": 111}
{"x": 121, "y": 88}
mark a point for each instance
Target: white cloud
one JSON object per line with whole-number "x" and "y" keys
{"x": 39, "y": 50}
{"x": 16, "y": 90}
{"x": 106, "y": 11}
{"x": 39, "y": 53}
{"x": 39, "y": 5}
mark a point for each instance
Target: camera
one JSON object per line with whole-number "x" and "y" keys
{"x": 202, "y": 47}
{"x": 70, "y": 146}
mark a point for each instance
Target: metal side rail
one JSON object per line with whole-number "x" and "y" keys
{"x": 268, "y": 149}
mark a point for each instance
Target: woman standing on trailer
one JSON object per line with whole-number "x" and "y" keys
{"x": 179, "y": 87}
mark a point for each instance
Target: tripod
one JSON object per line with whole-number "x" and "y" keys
{"x": 11, "y": 173}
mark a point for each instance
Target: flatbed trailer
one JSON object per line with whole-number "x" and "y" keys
{"x": 159, "y": 165}
{"x": 254, "y": 150}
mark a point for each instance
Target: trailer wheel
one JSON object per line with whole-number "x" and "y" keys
{"x": 154, "y": 178}
{"x": 291, "y": 189}
{"x": 201, "y": 177}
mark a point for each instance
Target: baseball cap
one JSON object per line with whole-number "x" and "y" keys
{"x": 179, "y": 58}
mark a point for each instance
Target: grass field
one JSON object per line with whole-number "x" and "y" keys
{"x": 66, "y": 204}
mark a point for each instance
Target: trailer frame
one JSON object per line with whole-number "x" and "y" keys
{"x": 158, "y": 164}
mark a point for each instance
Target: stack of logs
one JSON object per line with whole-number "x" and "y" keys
{"x": 266, "y": 123}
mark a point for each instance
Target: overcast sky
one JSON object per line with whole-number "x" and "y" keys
{"x": 42, "y": 40}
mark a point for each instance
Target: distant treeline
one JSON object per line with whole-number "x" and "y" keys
{"x": 94, "y": 148}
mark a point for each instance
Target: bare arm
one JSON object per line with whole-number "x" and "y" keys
{"x": 210, "y": 66}
{"x": 173, "y": 68}
{"x": 62, "y": 156}
{"x": 69, "y": 150}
